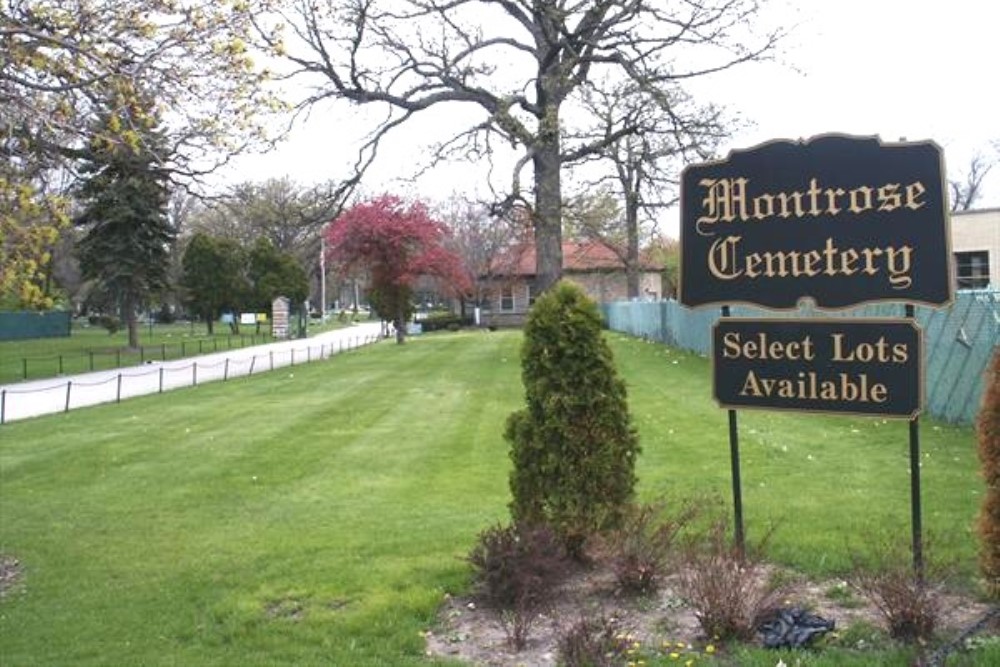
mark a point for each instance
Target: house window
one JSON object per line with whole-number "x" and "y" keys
{"x": 506, "y": 298}
{"x": 532, "y": 295}
{"x": 972, "y": 269}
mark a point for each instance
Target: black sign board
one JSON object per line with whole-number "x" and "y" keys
{"x": 870, "y": 367}
{"x": 842, "y": 220}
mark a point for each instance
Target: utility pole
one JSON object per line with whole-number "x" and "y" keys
{"x": 322, "y": 277}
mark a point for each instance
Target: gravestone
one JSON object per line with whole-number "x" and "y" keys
{"x": 279, "y": 317}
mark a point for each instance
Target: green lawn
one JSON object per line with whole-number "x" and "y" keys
{"x": 317, "y": 515}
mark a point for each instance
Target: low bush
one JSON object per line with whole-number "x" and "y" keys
{"x": 729, "y": 591}
{"x": 641, "y": 549}
{"x": 110, "y": 323}
{"x": 910, "y": 605}
{"x": 443, "y": 321}
{"x": 514, "y": 569}
{"x": 596, "y": 642}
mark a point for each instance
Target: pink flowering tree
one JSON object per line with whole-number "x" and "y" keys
{"x": 396, "y": 242}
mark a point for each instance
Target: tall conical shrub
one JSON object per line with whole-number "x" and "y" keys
{"x": 573, "y": 445}
{"x": 988, "y": 430}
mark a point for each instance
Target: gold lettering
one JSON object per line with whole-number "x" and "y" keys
{"x": 814, "y": 191}
{"x": 795, "y": 198}
{"x": 765, "y": 211}
{"x": 726, "y": 261}
{"x": 731, "y": 345}
{"x": 725, "y": 201}
{"x": 870, "y": 255}
{"x": 888, "y": 197}
{"x": 914, "y": 192}
{"x": 831, "y": 200}
{"x": 899, "y": 274}
{"x": 722, "y": 258}
{"x": 729, "y": 200}
{"x": 866, "y": 201}
{"x": 751, "y": 386}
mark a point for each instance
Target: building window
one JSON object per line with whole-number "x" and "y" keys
{"x": 972, "y": 269}
{"x": 507, "y": 298}
{"x": 532, "y": 295}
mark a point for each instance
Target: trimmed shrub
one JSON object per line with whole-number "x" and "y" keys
{"x": 515, "y": 569}
{"x": 910, "y": 605}
{"x": 641, "y": 549}
{"x": 730, "y": 592}
{"x": 988, "y": 523}
{"x": 598, "y": 642}
{"x": 443, "y": 321}
{"x": 573, "y": 446}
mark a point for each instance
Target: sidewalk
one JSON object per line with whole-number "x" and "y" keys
{"x": 69, "y": 392}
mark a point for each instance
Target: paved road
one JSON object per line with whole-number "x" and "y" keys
{"x": 31, "y": 399}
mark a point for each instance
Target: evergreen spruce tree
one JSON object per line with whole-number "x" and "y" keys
{"x": 988, "y": 428}
{"x": 124, "y": 194}
{"x": 573, "y": 445}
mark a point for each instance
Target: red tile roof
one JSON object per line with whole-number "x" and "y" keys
{"x": 578, "y": 256}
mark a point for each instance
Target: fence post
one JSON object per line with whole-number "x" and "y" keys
{"x": 293, "y": 357}
{"x": 253, "y": 360}
{"x": 60, "y": 364}
{"x": 194, "y": 374}
{"x": 161, "y": 379}
{"x": 225, "y": 370}
{"x": 163, "y": 351}
{"x": 3, "y": 404}
{"x": 118, "y": 397}
{"x": 69, "y": 384}
{"x": 199, "y": 345}
{"x": 118, "y": 358}
{"x": 24, "y": 367}
{"x": 90, "y": 353}
{"x": 271, "y": 354}
{"x": 142, "y": 354}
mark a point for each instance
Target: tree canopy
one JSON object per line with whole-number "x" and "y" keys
{"x": 396, "y": 243}
{"x": 124, "y": 195}
{"x": 520, "y": 67}
{"x": 64, "y": 60}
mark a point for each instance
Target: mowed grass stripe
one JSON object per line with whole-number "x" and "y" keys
{"x": 359, "y": 468}
{"x": 318, "y": 514}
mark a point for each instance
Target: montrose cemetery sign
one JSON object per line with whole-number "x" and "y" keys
{"x": 842, "y": 220}
{"x": 837, "y": 219}
{"x": 839, "y": 365}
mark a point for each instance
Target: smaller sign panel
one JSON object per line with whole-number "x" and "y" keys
{"x": 871, "y": 367}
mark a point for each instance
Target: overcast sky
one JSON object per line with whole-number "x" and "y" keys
{"x": 919, "y": 69}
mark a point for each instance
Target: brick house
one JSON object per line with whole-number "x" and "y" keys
{"x": 591, "y": 265}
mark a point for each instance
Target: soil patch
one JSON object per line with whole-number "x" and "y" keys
{"x": 662, "y": 623}
{"x": 11, "y": 574}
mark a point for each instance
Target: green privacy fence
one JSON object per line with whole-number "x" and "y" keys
{"x": 21, "y": 325}
{"x": 958, "y": 340}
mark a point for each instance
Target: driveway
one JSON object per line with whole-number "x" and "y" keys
{"x": 68, "y": 392}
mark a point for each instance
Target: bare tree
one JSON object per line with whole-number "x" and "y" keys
{"x": 642, "y": 170}
{"x": 519, "y": 65}
{"x": 965, "y": 192}
{"x": 481, "y": 239}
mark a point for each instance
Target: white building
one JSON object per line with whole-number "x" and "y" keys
{"x": 975, "y": 243}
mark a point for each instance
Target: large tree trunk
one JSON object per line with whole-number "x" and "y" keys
{"x": 632, "y": 247}
{"x": 131, "y": 321}
{"x": 548, "y": 194}
{"x": 400, "y": 324}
